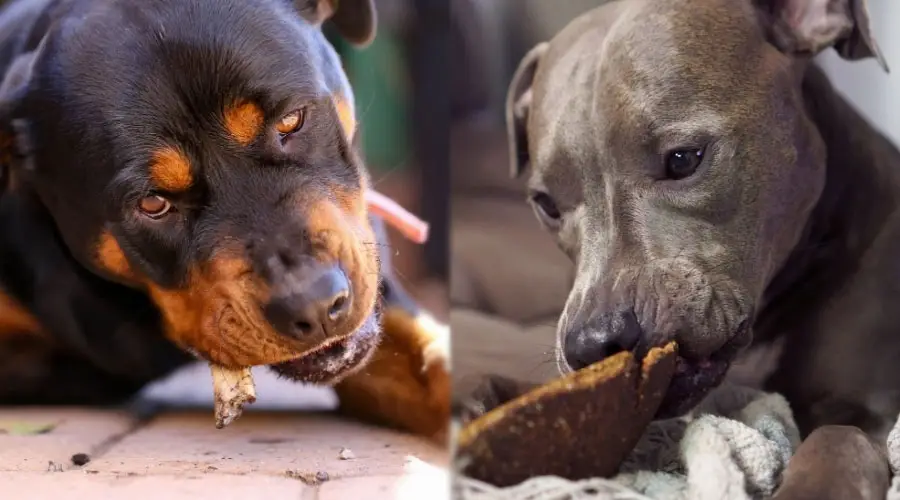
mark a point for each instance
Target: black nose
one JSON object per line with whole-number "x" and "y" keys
{"x": 310, "y": 301}
{"x": 601, "y": 337}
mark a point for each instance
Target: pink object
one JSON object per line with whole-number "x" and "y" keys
{"x": 410, "y": 226}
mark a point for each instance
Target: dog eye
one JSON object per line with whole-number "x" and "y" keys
{"x": 683, "y": 163}
{"x": 155, "y": 207}
{"x": 291, "y": 122}
{"x": 546, "y": 206}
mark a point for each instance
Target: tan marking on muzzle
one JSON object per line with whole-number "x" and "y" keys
{"x": 340, "y": 230}
{"x": 108, "y": 255}
{"x": 15, "y": 320}
{"x": 216, "y": 313}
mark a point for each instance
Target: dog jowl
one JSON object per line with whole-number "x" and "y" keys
{"x": 204, "y": 153}
{"x": 678, "y": 173}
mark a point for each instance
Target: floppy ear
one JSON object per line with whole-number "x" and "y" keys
{"x": 355, "y": 20}
{"x": 806, "y": 27}
{"x": 12, "y": 140}
{"x": 518, "y": 105}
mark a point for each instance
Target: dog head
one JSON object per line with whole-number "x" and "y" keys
{"x": 203, "y": 151}
{"x": 674, "y": 160}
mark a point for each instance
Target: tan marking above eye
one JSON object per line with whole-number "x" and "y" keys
{"x": 155, "y": 206}
{"x": 170, "y": 170}
{"x": 244, "y": 120}
{"x": 291, "y": 122}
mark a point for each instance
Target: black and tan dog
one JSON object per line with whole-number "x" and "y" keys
{"x": 181, "y": 176}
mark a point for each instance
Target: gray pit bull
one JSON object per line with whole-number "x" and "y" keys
{"x": 712, "y": 188}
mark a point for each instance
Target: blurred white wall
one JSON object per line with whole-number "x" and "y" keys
{"x": 873, "y": 92}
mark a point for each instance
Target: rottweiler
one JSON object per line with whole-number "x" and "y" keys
{"x": 182, "y": 180}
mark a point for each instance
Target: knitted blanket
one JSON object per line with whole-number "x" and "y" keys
{"x": 893, "y": 447}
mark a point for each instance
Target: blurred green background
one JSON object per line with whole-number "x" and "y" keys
{"x": 402, "y": 89}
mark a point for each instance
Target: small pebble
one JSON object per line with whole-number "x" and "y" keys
{"x": 308, "y": 477}
{"x": 346, "y": 454}
{"x": 80, "y": 459}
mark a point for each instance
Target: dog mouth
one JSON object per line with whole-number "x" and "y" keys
{"x": 695, "y": 378}
{"x": 334, "y": 360}
{"x": 692, "y": 381}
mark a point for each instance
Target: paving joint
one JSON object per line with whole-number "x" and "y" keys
{"x": 107, "y": 444}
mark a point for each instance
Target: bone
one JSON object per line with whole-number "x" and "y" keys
{"x": 553, "y": 429}
{"x": 232, "y": 390}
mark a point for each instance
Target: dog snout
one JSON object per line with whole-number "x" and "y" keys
{"x": 309, "y": 300}
{"x": 601, "y": 337}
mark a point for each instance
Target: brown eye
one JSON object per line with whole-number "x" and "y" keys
{"x": 155, "y": 207}
{"x": 291, "y": 122}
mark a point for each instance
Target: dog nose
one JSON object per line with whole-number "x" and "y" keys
{"x": 602, "y": 337}
{"x": 310, "y": 302}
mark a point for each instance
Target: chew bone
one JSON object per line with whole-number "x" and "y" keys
{"x": 576, "y": 427}
{"x": 232, "y": 389}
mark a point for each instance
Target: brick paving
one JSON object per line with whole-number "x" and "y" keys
{"x": 177, "y": 453}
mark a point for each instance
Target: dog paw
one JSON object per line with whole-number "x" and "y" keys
{"x": 406, "y": 384}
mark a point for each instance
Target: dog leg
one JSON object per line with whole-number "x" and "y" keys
{"x": 406, "y": 384}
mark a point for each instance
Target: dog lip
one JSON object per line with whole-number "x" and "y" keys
{"x": 334, "y": 359}
{"x": 695, "y": 378}
{"x": 692, "y": 381}
{"x": 330, "y": 343}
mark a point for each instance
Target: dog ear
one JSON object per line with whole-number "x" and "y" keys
{"x": 518, "y": 106}
{"x": 355, "y": 20}
{"x": 806, "y": 27}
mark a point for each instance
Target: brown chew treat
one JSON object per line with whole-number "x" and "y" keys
{"x": 232, "y": 389}
{"x": 579, "y": 426}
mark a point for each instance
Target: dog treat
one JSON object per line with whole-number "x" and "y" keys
{"x": 232, "y": 390}
{"x": 579, "y": 426}
{"x": 410, "y": 226}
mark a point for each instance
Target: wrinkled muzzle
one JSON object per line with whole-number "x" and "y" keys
{"x": 637, "y": 308}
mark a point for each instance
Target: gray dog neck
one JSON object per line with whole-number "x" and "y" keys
{"x": 860, "y": 194}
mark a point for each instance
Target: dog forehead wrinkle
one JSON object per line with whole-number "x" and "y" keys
{"x": 236, "y": 46}
{"x": 666, "y": 65}
{"x": 562, "y": 116}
